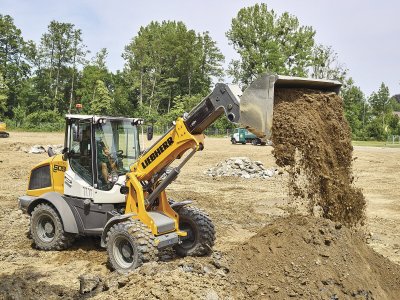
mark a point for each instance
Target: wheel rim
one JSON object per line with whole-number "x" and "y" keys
{"x": 45, "y": 228}
{"x": 190, "y": 240}
{"x": 124, "y": 252}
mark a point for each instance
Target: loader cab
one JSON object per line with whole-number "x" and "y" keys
{"x": 99, "y": 151}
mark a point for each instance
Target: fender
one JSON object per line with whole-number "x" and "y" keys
{"x": 110, "y": 223}
{"x": 178, "y": 205}
{"x": 62, "y": 208}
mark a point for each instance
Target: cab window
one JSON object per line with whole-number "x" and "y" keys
{"x": 80, "y": 157}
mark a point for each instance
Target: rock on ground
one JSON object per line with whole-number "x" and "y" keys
{"x": 242, "y": 167}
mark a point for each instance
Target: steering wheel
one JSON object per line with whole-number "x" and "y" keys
{"x": 120, "y": 152}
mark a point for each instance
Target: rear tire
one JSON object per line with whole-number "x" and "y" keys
{"x": 201, "y": 232}
{"x": 129, "y": 245}
{"x": 46, "y": 229}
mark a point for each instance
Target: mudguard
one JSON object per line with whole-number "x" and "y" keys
{"x": 178, "y": 205}
{"x": 62, "y": 207}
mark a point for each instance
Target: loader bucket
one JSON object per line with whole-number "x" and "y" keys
{"x": 257, "y": 101}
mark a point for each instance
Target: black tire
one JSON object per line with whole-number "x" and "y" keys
{"x": 233, "y": 141}
{"x": 47, "y": 230}
{"x": 201, "y": 232}
{"x": 129, "y": 245}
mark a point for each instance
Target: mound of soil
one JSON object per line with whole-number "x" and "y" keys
{"x": 30, "y": 285}
{"x": 311, "y": 258}
{"x": 313, "y": 140}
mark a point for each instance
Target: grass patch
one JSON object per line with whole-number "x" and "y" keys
{"x": 376, "y": 144}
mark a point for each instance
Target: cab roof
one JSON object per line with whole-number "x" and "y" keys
{"x": 96, "y": 118}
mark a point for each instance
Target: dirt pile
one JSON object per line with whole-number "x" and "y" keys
{"x": 30, "y": 285}
{"x": 311, "y": 258}
{"x": 312, "y": 139}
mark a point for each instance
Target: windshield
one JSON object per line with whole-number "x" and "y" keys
{"x": 117, "y": 143}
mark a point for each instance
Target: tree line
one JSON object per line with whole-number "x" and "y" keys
{"x": 167, "y": 69}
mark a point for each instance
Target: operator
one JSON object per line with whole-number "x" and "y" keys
{"x": 105, "y": 160}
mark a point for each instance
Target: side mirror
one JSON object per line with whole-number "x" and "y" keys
{"x": 149, "y": 132}
{"x": 50, "y": 152}
{"x": 76, "y": 133}
{"x": 65, "y": 154}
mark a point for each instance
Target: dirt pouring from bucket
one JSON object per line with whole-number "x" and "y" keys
{"x": 312, "y": 139}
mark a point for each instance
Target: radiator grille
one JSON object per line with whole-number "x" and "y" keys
{"x": 40, "y": 178}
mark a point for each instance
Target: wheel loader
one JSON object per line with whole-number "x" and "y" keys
{"x": 105, "y": 185}
{"x": 3, "y": 133}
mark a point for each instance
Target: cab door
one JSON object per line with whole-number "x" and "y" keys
{"x": 78, "y": 180}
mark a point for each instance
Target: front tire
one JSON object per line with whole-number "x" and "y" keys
{"x": 233, "y": 141}
{"x": 129, "y": 245}
{"x": 200, "y": 229}
{"x": 47, "y": 230}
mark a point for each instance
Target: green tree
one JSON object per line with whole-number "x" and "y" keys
{"x": 356, "y": 109}
{"x": 124, "y": 96}
{"x": 325, "y": 64}
{"x": 78, "y": 57}
{"x": 19, "y": 115}
{"x": 60, "y": 51}
{"x": 375, "y": 130}
{"x": 394, "y": 104}
{"x": 101, "y": 103}
{"x": 379, "y": 102}
{"x": 3, "y": 96}
{"x": 267, "y": 42}
{"x": 92, "y": 72}
{"x": 166, "y": 60}
{"x": 13, "y": 62}
{"x": 393, "y": 124}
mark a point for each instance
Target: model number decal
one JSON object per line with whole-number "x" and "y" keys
{"x": 59, "y": 168}
{"x": 164, "y": 146}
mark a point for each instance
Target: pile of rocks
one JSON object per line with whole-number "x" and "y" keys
{"x": 242, "y": 167}
{"x": 37, "y": 149}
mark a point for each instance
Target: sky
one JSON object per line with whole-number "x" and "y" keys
{"x": 365, "y": 34}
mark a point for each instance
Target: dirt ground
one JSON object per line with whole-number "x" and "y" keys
{"x": 239, "y": 208}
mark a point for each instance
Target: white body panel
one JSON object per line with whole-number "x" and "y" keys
{"x": 75, "y": 186}
{"x": 236, "y": 136}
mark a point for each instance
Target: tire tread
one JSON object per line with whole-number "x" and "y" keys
{"x": 142, "y": 236}
{"x": 64, "y": 240}
{"x": 206, "y": 230}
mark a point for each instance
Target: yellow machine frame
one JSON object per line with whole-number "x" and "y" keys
{"x": 170, "y": 147}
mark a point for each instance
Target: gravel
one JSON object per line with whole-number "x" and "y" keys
{"x": 242, "y": 167}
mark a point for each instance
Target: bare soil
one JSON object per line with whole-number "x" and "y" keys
{"x": 247, "y": 214}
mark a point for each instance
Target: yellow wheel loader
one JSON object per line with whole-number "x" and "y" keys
{"x": 3, "y": 133}
{"x": 105, "y": 185}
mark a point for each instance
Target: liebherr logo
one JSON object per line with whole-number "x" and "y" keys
{"x": 164, "y": 146}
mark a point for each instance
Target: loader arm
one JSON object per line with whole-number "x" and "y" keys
{"x": 145, "y": 189}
